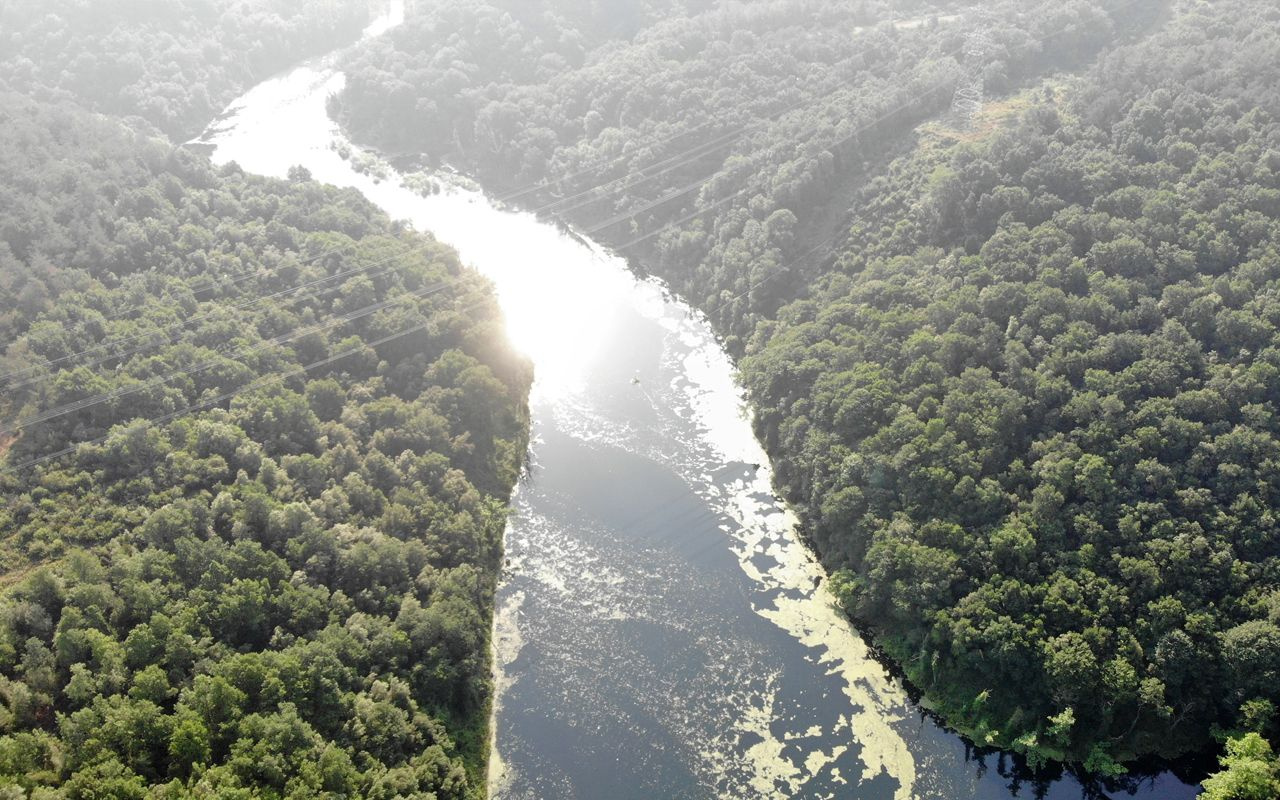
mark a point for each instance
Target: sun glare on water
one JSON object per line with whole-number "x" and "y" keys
{"x": 561, "y": 301}
{"x": 559, "y": 296}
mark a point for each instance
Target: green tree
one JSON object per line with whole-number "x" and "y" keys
{"x": 1250, "y": 772}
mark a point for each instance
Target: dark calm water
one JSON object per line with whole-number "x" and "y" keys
{"x": 661, "y": 632}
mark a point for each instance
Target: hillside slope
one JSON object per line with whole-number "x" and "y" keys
{"x": 713, "y": 145}
{"x": 1031, "y": 408}
{"x": 252, "y": 515}
{"x": 1024, "y": 399}
{"x": 174, "y": 63}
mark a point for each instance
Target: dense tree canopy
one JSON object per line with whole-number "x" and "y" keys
{"x": 265, "y": 567}
{"x": 175, "y": 63}
{"x": 1027, "y": 404}
{"x": 719, "y": 141}
{"x": 1031, "y": 408}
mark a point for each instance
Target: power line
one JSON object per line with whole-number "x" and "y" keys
{"x": 772, "y": 274}
{"x": 833, "y": 146}
{"x": 549, "y": 182}
{"x": 728, "y": 199}
{"x": 695, "y": 153}
{"x": 214, "y": 281}
{"x": 260, "y": 382}
{"x": 177, "y": 326}
{"x": 80, "y": 405}
{"x": 124, "y": 391}
{"x": 125, "y": 354}
{"x": 680, "y": 160}
{"x": 673, "y": 162}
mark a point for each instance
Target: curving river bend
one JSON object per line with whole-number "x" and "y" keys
{"x": 661, "y": 632}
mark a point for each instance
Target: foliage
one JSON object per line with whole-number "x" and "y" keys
{"x": 1028, "y": 401}
{"x": 1250, "y": 772}
{"x": 175, "y": 63}
{"x": 743, "y": 126}
{"x": 1031, "y": 408}
{"x": 286, "y": 592}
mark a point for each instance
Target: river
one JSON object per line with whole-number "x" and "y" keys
{"x": 661, "y": 632}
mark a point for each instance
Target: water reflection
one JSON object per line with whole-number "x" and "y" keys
{"x": 662, "y": 631}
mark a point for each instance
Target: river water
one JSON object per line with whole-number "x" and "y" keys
{"x": 661, "y": 632}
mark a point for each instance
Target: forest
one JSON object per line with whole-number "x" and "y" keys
{"x": 174, "y": 63}
{"x": 1018, "y": 373}
{"x": 1015, "y": 362}
{"x": 717, "y": 145}
{"x": 258, "y": 444}
{"x": 1030, "y": 407}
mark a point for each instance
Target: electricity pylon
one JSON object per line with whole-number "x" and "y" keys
{"x": 971, "y": 90}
